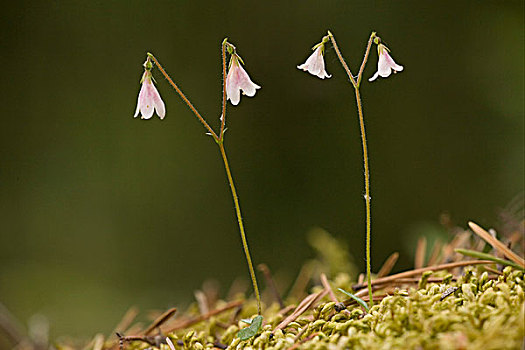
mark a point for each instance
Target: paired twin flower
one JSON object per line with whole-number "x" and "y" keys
{"x": 315, "y": 63}
{"x": 238, "y": 80}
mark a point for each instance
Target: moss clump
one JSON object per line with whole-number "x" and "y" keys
{"x": 477, "y": 311}
{"x": 455, "y": 303}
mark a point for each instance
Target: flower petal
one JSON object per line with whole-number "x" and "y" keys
{"x": 397, "y": 67}
{"x": 160, "y": 108}
{"x": 147, "y": 111}
{"x": 385, "y": 64}
{"x": 232, "y": 91}
{"x": 315, "y": 64}
{"x": 249, "y": 89}
{"x": 157, "y": 102}
{"x": 247, "y": 86}
{"x": 391, "y": 62}
{"x": 374, "y": 77}
{"x": 138, "y": 108}
{"x": 235, "y": 97}
{"x": 237, "y": 80}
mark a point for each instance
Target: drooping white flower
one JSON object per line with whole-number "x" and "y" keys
{"x": 237, "y": 80}
{"x": 385, "y": 64}
{"x": 315, "y": 63}
{"x": 149, "y": 99}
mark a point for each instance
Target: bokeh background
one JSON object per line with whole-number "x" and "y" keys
{"x": 100, "y": 211}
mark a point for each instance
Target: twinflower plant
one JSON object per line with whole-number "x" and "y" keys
{"x": 235, "y": 79}
{"x": 315, "y": 66}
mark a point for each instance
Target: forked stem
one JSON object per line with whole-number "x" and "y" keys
{"x": 219, "y": 139}
{"x": 356, "y": 82}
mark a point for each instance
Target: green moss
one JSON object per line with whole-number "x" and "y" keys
{"x": 475, "y": 312}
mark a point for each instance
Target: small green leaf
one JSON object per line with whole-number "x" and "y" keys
{"x": 252, "y": 329}
{"x": 485, "y": 256}
{"x": 359, "y": 300}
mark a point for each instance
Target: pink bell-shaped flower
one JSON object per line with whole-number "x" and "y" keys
{"x": 149, "y": 98}
{"x": 385, "y": 64}
{"x": 237, "y": 80}
{"x": 315, "y": 63}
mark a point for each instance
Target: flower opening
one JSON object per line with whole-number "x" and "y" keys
{"x": 385, "y": 64}
{"x": 315, "y": 63}
{"x": 237, "y": 80}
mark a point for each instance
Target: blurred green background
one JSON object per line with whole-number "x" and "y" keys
{"x": 100, "y": 211}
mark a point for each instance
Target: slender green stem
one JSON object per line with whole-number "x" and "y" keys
{"x": 241, "y": 226}
{"x": 355, "y": 83}
{"x": 367, "y": 195}
{"x": 223, "y": 113}
{"x": 365, "y": 59}
{"x": 341, "y": 59}
{"x": 184, "y": 98}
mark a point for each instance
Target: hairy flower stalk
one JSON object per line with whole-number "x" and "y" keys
{"x": 234, "y": 81}
{"x": 315, "y": 65}
{"x": 356, "y": 82}
{"x": 385, "y": 65}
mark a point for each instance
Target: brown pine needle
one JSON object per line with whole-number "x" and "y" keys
{"x": 202, "y": 301}
{"x": 361, "y": 278}
{"x": 421, "y": 270}
{"x": 284, "y": 311}
{"x": 186, "y": 323}
{"x": 301, "y": 308}
{"x": 496, "y": 244}
{"x": 434, "y": 255}
{"x": 516, "y": 236}
{"x": 271, "y": 284}
{"x": 97, "y": 343}
{"x": 238, "y": 286}
{"x": 160, "y": 320}
{"x": 419, "y": 260}
{"x": 327, "y": 287}
{"x": 299, "y": 286}
{"x": 126, "y": 320}
{"x": 10, "y": 326}
{"x": 388, "y": 265}
{"x": 496, "y": 272}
